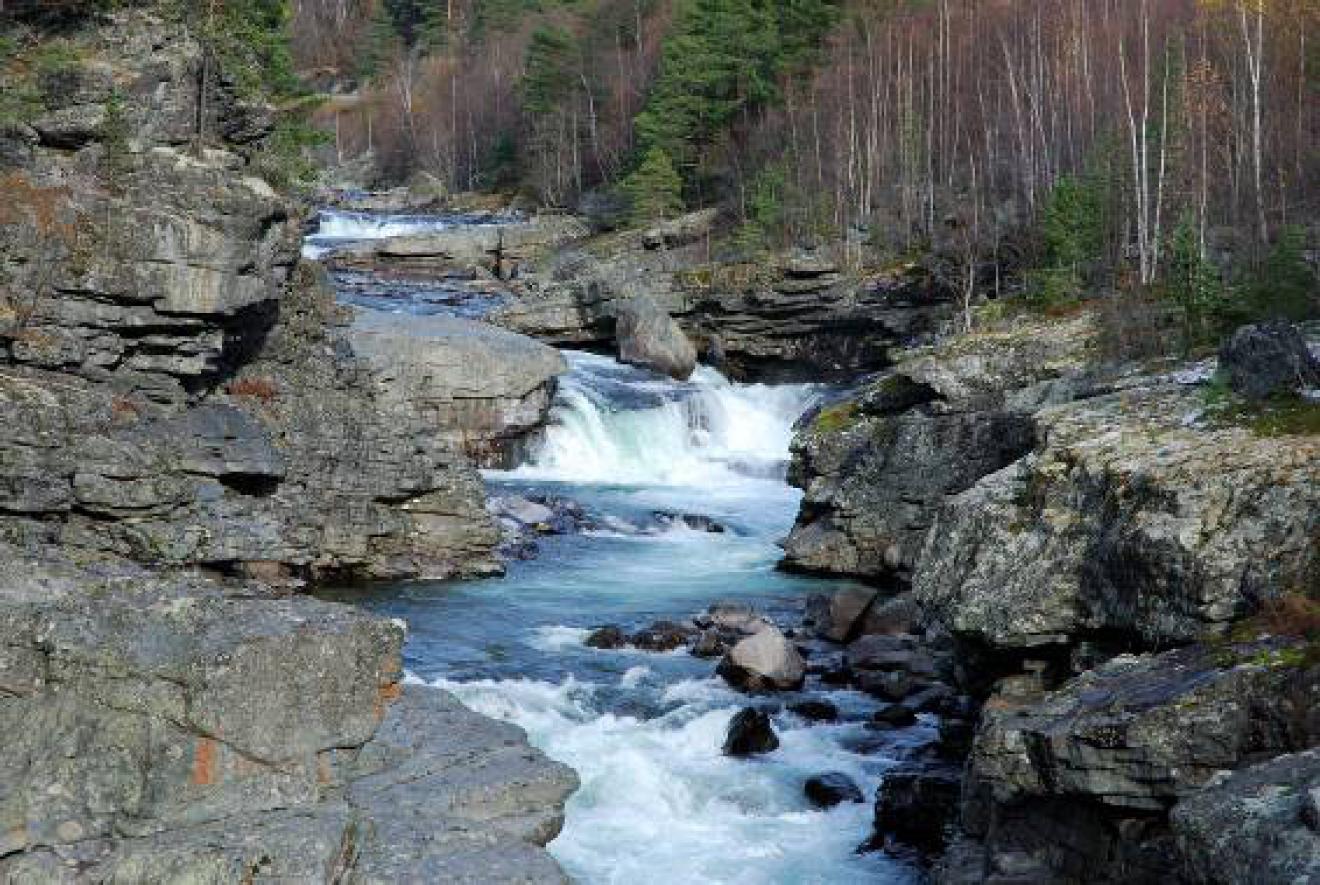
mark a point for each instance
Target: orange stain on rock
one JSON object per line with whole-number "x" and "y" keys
{"x": 205, "y": 757}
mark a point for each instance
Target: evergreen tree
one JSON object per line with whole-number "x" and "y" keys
{"x": 654, "y": 188}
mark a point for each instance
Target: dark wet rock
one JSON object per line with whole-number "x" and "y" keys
{"x": 831, "y": 789}
{"x": 1258, "y": 824}
{"x": 765, "y": 661}
{"x": 1268, "y": 359}
{"x": 916, "y": 805}
{"x": 815, "y": 710}
{"x": 750, "y": 734}
{"x": 899, "y": 651}
{"x": 936, "y": 698}
{"x": 956, "y": 738}
{"x": 662, "y": 636}
{"x": 894, "y": 716}
{"x": 646, "y": 336}
{"x": 607, "y": 638}
{"x": 697, "y": 522}
{"x": 887, "y": 685}
{"x": 712, "y": 643}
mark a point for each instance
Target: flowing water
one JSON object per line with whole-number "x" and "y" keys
{"x": 659, "y": 802}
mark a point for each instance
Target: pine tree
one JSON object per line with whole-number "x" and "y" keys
{"x": 654, "y": 188}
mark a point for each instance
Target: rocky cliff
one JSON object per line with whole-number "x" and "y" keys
{"x": 178, "y": 392}
{"x": 1065, "y": 522}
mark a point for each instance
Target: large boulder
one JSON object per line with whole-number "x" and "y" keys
{"x": 765, "y": 661}
{"x": 1259, "y": 824}
{"x": 1272, "y": 358}
{"x": 647, "y": 336}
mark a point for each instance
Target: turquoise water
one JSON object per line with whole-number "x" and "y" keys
{"x": 658, "y": 802}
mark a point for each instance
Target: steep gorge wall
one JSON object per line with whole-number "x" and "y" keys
{"x": 187, "y": 428}
{"x": 1066, "y": 525}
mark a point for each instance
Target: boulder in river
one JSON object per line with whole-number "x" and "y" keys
{"x": 662, "y": 636}
{"x": 732, "y": 615}
{"x": 750, "y": 734}
{"x": 647, "y": 336}
{"x": 1271, "y": 358}
{"x": 766, "y": 661}
{"x": 844, "y": 610}
{"x": 609, "y": 637}
{"x": 831, "y": 789}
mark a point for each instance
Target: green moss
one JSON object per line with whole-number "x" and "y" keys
{"x": 1285, "y": 415}
{"x": 836, "y": 418}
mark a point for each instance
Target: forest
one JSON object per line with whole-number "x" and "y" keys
{"x": 1052, "y": 148}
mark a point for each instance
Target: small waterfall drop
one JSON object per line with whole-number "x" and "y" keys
{"x": 613, "y": 424}
{"x": 337, "y": 228}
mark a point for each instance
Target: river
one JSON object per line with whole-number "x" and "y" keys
{"x": 659, "y": 802}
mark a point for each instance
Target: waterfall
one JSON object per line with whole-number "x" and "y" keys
{"x": 337, "y": 228}
{"x": 614, "y": 424}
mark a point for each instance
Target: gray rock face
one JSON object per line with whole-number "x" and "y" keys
{"x": 1255, "y": 825}
{"x": 501, "y": 249}
{"x": 646, "y": 336}
{"x": 178, "y": 391}
{"x": 179, "y": 728}
{"x": 1079, "y": 781}
{"x": 800, "y": 322}
{"x": 875, "y": 468}
{"x": 485, "y": 390}
{"x": 1260, "y": 361}
{"x": 1128, "y": 518}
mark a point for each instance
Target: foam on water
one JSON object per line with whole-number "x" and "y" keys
{"x": 659, "y": 799}
{"x": 622, "y": 426}
{"x": 336, "y": 228}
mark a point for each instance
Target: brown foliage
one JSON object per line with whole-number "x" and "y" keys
{"x": 261, "y": 389}
{"x": 1292, "y": 615}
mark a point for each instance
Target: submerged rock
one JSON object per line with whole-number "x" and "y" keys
{"x": 662, "y": 636}
{"x": 815, "y": 710}
{"x": 766, "y": 661}
{"x": 831, "y": 789}
{"x": 606, "y": 638}
{"x": 750, "y": 734}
